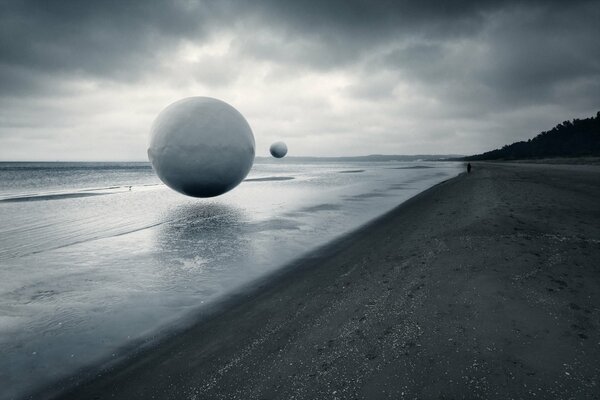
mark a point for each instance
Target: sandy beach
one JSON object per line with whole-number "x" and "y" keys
{"x": 485, "y": 286}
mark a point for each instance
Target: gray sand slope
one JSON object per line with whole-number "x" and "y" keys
{"x": 486, "y": 286}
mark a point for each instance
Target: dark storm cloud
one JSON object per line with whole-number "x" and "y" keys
{"x": 442, "y": 67}
{"x": 377, "y": 19}
{"x": 330, "y": 34}
{"x": 107, "y": 38}
{"x": 522, "y": 55}
{"x": 542, "y": 50}
{"x": 114, "y": 39}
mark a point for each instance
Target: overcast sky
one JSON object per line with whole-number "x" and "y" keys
{"x": 83, "y": 80}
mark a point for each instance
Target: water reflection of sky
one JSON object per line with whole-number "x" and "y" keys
{"x": 81, "y": 277}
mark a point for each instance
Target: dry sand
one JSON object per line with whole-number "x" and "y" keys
{"x": 485, "y": 286}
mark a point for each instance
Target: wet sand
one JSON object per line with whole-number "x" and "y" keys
{"x": 485, "y": 286}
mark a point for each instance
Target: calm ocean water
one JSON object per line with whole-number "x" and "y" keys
{"x": 98, "y": 256}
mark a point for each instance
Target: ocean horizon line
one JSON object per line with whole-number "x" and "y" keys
{"x": 369, "y": 157}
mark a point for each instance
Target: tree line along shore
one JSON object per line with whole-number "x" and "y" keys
{"x": 569, "y": 139}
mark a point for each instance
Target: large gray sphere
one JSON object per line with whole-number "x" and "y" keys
{"x": 278, "y": 149}
{"x": 201, "y": 147}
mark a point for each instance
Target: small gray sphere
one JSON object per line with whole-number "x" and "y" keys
{"x": 278, "y": 149}
{"x": 201, "y": 147}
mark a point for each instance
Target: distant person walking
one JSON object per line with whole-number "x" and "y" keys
{"x": 468, "y": 168}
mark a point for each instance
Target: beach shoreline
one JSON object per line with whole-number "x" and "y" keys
{"x": 481, "y": 286}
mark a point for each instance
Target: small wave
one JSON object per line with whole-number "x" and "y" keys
{"x": 351, "y": 171}
{"x": 321, "y": 207}
{"x": 400, "y": 186}
{"x": 67, "y": 238}
{"x": 49, "y": 197}
{"x": 73, "y": 166}
{"x": 414, "y": 167}
{"x": 364, "y": 196}
{"x": 275, "y": 224}
{"x": 104, "y": 188}
{"x": 55, "y": 195}
{"x": 269, "y": 179}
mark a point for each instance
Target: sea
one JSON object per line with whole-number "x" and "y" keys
{"x": 97, "y": 259}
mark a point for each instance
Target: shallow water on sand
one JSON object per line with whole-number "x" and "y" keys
{"x": 97, "y": 256}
